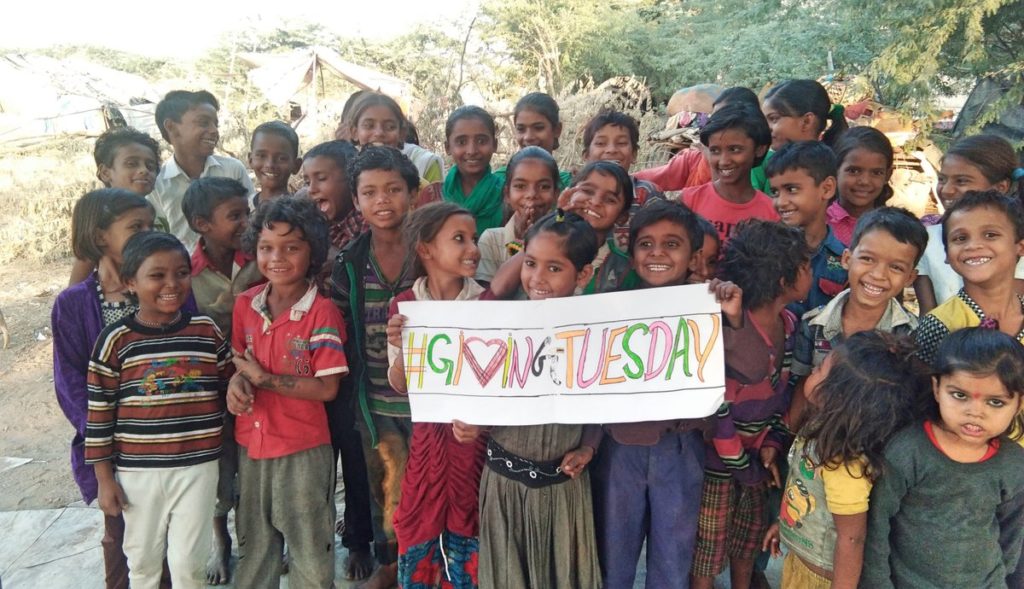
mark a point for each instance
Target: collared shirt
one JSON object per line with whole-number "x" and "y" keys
{"x": 215, "y": 293}
{"x": 170, "y": 187}
{"x": 841, "y": 222}
{"x": 958, "y": 312}
{"x": 494, "y": 250}
{"x": 829, "y": 276}
{"x": 305, "y": 342}
{"x": 822, "y": 329}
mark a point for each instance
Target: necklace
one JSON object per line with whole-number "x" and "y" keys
{"x": 144, "y": 323}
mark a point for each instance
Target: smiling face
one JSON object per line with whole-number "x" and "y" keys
{"x": 531, "y": 189}
{"x": 161, "y": 285}
{"x": 135, "y": 168}
{"x": 273, "y": 161}
{"x": 958, "y": 176}
{"x": 800, "y": 201}
{"x": 611, "y": 143}
{"x": 662, "y": 254}
{"x": 227, "y": 223}
{"x": 383, "y": 198}
{"x": 197, "y": 133}
{"x": 973, "y": 408}
{"x": 471, "y": 146}
{"x": 879, "y": 268}
{"x": 981, "y": 245}
{"x": 112, "y": 239}
{"x": 328, "y": 187}
{"x": 862, "y": 176}
{"x": 547, "y": 271}
{"x": 282, "y": 255}
{"x": 731, "y": 154}
{"x": 533, "y": 128}
{"x": 599, "y": 201}
{"x": 453, "y": 251}
{"x": 378, "y": 125}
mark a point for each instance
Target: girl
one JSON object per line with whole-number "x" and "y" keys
{"x": 799, "y": 110}
{"x": 125, "y": 159}
{"x": 539, "y": 532}
{"x": 436, "y": 521}
{"x": 102, "y": 222}
{"x": 979, "y": 162}
{"x": 946, "y": 511}
{"x": 864, "y": 392}
{"x": 531, "y": 182}
{"x": 156, "y": 384}
{"x": 984, "y": 239}
{"x": 470, "y": 140}
{"x": 378, "y": 120}
{"x": 705, "y": 262}
{"x": 536, "y": 124}
{"x": 865, "y": 159}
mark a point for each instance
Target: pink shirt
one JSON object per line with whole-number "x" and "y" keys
{"x": 723, "y": 214}
{"x": 841, "y": 222}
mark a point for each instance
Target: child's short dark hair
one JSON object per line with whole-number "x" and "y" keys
{"x": 469, "y": 112}
{"x": 388, "y": 159}
{"x": 579, "y": 238}
{"x": 739, "y": 116}
{"x": 205, "y": 194}
{"x": 900, "y": 223}
{"x": 611, "y": 118}
{"x": 107, "y": 144}
{"x": 813, "y": 157}
{"x": 974, "y": 199}
{"x": 737, "y": 95}
{"x": 541, "y": 104}
{"x": 300, "y": 214}
{"x": 176, "y": 103}
{"x": 423, "y": 224}
{"x": 763, "y": 258}
{"x": 664, "y": 210}
{"x": 531, "y": 152}
{"x": 983, "y": 352}
{"x": 143, "y": 245}
{"x": 282, "y": 130}
{"x": 623, "y": 182}
{"x": 708, "y": 229}
{"x": 795, "y": 98}
{"x": 342, "y": 153}
{"x": 96, "y": 211}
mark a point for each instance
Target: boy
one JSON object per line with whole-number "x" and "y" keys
{"x": 368, "y": 273}
{"x": 736, "y": 138}
{"x": 770, "y": 263}
{"x": 218, "y": 210}
{"x": 647, "y": 477}
{"x": 802, "y": 175}
{"x": 273, "y": 157}
{"x": 188, "y": 121}
{"x": 324, "y": 174}
{"x": 288, "y": 343}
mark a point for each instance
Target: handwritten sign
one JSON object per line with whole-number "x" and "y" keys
{"x": 611, "y": 358}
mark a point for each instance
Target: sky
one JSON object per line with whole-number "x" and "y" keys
{"x": 186, "y": 28}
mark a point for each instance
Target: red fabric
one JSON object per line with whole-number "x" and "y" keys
{"x": 725, "y": 215}
{"x": 688, "y": 168}
{"x": 841, "y": 222}
{"x": 993, "y": 444}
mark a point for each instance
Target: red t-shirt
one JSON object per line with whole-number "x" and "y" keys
{"x": 306, "y": 342}
{"x": 725, "y": 215}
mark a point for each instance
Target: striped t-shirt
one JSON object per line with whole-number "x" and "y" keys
{"x": 382, "y": 399}
{"x": 156, "y": 395}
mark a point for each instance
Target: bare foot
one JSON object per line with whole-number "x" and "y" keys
{"x": 218, "y": 567}
{"x": 385, "y": 577}
{"x": 358, "y": 564}
{"x": 339, "y": 526}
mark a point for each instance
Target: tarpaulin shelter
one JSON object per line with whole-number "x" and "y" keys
{"x": 988, "y": 93}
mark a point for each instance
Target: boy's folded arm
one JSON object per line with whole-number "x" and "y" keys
{"x": 311, "y": 388}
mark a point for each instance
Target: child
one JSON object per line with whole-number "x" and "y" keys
{"x": 647, "y": 478}
{"x": 436, "y": 521}
{"x": 273, "y": 157}
{"x": 864, "y": 392}
{"x": 865, "y": 159}
{"x": 470, "y": 140}
{"x": 325, "y": 176}
{"x": 126, "y": 159}
{"x": 705, "y": 260}
{"x": 542, "y": 534}
{"x": 103, "y": 220}
{"x": 803, "y": 179}
{"x": 368, "y": 274}
{"x": 984, "y": 237}
{"x": 188, "y": 121}
{"x": 531, "y": 184}
{"x": 979, "y": 162}
{"x": 946, "y": 511}
{"x": 218, "y": 210}
{"x": 287, "y": 341}
{"x": 378, "y": 120}
{"x": 156, "y": 385}
{"x": 535, "y": 122}
{"x": 736, "y": 138}
{"x": 770, "y": 263}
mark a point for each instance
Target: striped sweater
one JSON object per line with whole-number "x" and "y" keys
{"x": 156, "y": 396}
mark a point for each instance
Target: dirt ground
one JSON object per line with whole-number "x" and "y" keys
{"x": 31, "y": 423}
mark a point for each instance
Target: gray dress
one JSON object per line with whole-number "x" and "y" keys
{"x": 537, "y": 538}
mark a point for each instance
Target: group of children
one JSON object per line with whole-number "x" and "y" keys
{"x": 283, "y": 310}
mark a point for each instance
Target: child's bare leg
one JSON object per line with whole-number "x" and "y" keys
{"x": 218, "y": 567}
{"x": 358, "y": 564}
{"x": 740, "y": 572}
{"x": 702, "y": 582}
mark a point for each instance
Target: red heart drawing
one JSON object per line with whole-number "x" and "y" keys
{"x": 484, "y": 375}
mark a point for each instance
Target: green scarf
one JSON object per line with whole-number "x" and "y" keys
{"x": 485, "y": 202}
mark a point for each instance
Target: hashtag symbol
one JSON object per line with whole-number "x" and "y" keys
{"x": 414, "y": 360}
